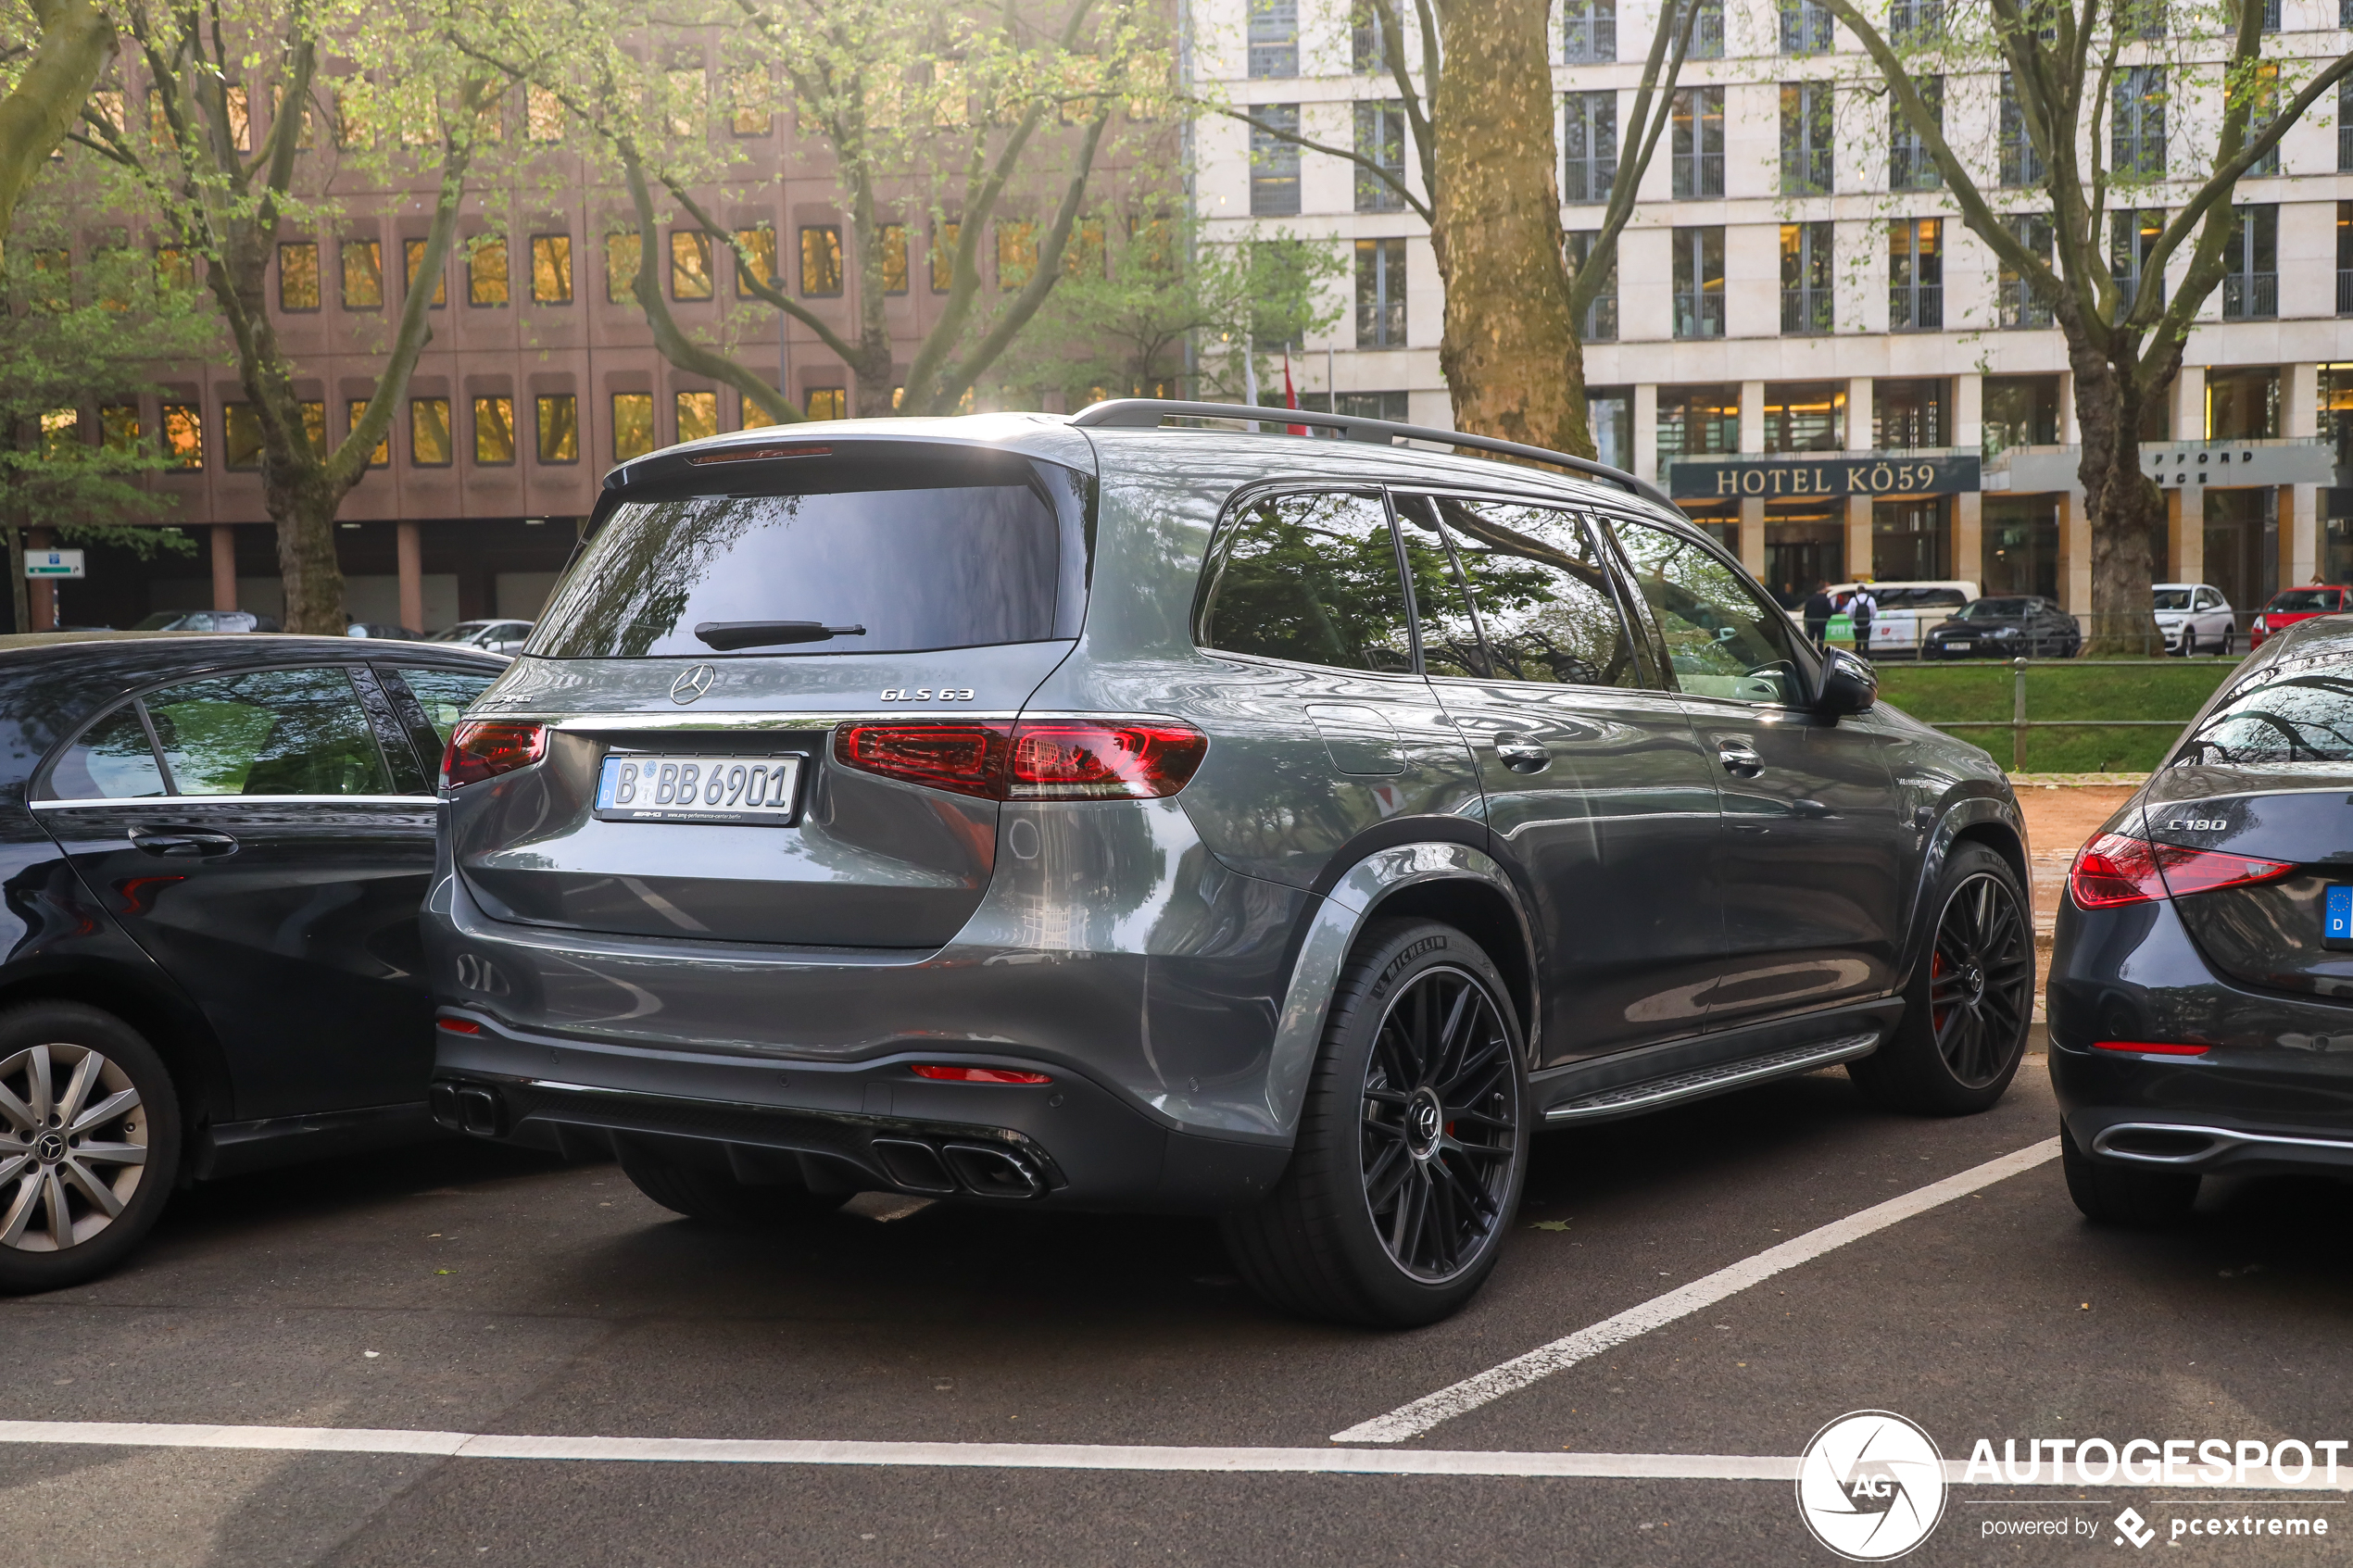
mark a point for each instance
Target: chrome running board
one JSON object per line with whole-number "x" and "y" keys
{"x": 1658, "y": 1092}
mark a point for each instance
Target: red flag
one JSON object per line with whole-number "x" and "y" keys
{"x": 1291, "y": 397}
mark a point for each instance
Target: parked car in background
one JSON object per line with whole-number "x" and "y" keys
{"x": 496, "y": 637}
{"x": 215, "y": 847}
{"x": 205, "y": 621}
{"x": 2291, "y": 605}
{"x": 2204, "y": 953}
{"x": 2196, "y": 618}
{"x": 1906, "y": 612}
{"x": 2007, "y": 626}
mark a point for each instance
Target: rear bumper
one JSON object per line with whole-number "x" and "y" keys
{"x": 846, "y": 1126}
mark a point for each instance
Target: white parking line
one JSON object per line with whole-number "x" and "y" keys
{"x": 1412, "y": 1420}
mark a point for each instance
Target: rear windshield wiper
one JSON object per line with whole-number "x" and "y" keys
{"x": 729, "y": 635}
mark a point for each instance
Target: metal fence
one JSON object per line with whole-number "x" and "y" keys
{"x": 2019, "y": 725}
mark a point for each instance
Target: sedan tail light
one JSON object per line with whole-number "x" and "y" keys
{"x": 482, "y": 749}
{"x": 2117, "y": 869}
{"x": 1038, "y": 759}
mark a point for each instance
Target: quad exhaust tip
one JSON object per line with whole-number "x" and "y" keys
{"x": 467, "y": 1108}
{"x": 953, "y": 1168}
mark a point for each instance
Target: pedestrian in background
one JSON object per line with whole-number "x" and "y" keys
{"x": 1860, "y": 608}
{"x": 1818, "y": 610}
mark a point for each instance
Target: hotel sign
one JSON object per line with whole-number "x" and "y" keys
{"x": 1713, "y": 479}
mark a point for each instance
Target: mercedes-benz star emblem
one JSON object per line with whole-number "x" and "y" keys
{"x": 692, "y": 684}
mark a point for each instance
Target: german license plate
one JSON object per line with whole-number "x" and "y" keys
{"x": 1958, "y": 643}
{"x": 639, "y": 787}
{"x": 2336, "y": 915}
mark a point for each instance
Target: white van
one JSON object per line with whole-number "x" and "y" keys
{"x": 1906, "y": 612}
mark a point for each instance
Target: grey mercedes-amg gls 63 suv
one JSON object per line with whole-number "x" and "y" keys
{"x": 1079, "y": 812}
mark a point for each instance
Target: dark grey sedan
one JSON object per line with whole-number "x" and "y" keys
{"x": 2010, "y": 626}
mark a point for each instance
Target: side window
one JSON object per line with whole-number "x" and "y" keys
{"x": 1542, "y": 587}
{"x": 1723, "y": 637}
{"x": 1452, "y": 640}
{"x": 111, "y": 761}
{"x": 445, "y": 694}
{"x": 1311, "y": 578}
{"x": 270, "y": 731}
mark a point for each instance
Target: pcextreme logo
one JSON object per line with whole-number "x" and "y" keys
{"x": 1870, "y": 1486}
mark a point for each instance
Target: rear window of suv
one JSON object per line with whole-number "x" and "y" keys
{"x": 900, "y": 551}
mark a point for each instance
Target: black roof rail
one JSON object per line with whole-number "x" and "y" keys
{"x": 1146, "y": 413}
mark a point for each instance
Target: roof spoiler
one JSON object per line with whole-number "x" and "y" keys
{"x": 1147, "y": 413}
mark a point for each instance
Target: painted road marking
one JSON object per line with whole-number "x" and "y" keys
{"x": 1412, "y": 1420}
{"x": 1005, "y": 1455}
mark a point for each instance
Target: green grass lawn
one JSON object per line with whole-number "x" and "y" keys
{"x": 2174, "y": 691}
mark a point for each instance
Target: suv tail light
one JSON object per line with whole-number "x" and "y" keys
{"x": 1038, "y": 759}
{"x": 2117, "y": 869}
{"x": 482, "y": 749}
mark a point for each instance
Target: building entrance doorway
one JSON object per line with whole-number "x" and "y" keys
{"x": 2243, "y": 545}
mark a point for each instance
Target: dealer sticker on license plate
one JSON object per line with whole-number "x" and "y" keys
{"x": 760, "y": 791}
{"x": 2336, "y": 915}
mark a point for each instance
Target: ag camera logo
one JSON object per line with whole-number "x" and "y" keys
{"x": 1870, "y": 1486}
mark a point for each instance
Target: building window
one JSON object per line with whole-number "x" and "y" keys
{"x": 944, "y": 238}
{"x": 755, "y": 260}
{"x": 2243, "y": 405}
{"x": 1589, "y": 135}
{"x": 559, "y": 427}
{"x": 690, "y": 264}
{"x": 428, "y": 446}
{"x": 314, "y": 425}
{"x": 1380, "y": 293}
{"x": 894, "y": 258}
{"x": 623, "y": 255}
{"x": 749, "y": 96}
{"x": 1804, "y": 416}
{"x": 1599, "y": 324}
{"x": 551, "y": 268}
{"x": 1274, "y": 38}
{"x": 2345, "y": 121}
{"x": 364, "y": 274}
{"x": 1274, "y": 162}
{"x": 1381, "y": 138}
{"x": 2251, "y": 284}
{"x": 173, "y": 269}
{"x": 1698, "y": 159}
{"x": 1708, "y": 31}
{"x": 2020, "y": 411}
{"x": 1699, "y": 281}
{"x": 2345, "y": 257}
{"x": 2265, "y": 87}
{"x": 2270, "y": 16}
{"x": 633, "y": 425}
{"x": 119, "y": 427}
{"x": 828, "y": 403}
{"x": 1017, "y": 254}
{"x": 183, "y": 434}
{"x": 1916, "y": 275}
{"x": 1914, "y": 23}
{"x": 1697, "y": 421}
{"x": 1805, "y": 138}
{"x": 1909, "y": 165}
{"x": 486, "y": 274}
{"x": 1806, "y": 27}
{"x": 412, "y": 256}
{"x": 2131, "y": 237}
{"x": 1367, "y": 50}
{"x": 355, "y": 410}
{"x": 240, "y": 436}
{"x": 696, "y": 413}
{"x": 2137, "y": 142}
{"x": 2022, "y": 165}
{"x": 821, "y": 267}
{"x": 2019, "y": 305}
{"x": 494, "y": 431}
{"x": 1907, "y": 416}
{"x": 1912, "y": 539}
{"x": 298, "y": 276}
{"x": 1806, "y": 278}
{"x": 1588, "y": 32}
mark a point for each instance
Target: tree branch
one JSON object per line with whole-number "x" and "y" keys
{"x": 1387, "y": 177}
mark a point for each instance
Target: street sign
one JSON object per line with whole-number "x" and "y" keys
{"x": 53, "y": 563}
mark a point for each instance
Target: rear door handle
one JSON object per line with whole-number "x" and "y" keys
{"x": 1522, "y": 754}
{"x": 183, "y": 844}
{"x": 1739, "y": 759}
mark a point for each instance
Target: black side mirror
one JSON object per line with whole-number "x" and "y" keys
{"x": 1849, "y": 684}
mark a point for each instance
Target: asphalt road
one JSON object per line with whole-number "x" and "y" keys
{"x": 471, "y": 1290}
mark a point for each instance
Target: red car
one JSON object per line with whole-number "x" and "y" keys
{"x": 2291, "y": 605}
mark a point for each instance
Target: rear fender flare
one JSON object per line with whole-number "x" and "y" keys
{"x": 1331, "y": 934}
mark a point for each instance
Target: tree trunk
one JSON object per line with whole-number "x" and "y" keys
{"x": 303, "y": 508}
{"x": 76, "y": 42}
{"x": 2124, "y": 507}
{"x": 1509, "y": 354}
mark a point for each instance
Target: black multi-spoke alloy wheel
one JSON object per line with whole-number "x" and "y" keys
{"x": 1413, "y": 1142}
{"x": 693, "y": 1180}
{"x": 2112, "y": 1194}
{"x": 89, "y": 1143}
{"x": 1970, "y": 1000}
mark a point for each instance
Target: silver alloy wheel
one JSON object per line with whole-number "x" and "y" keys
{"x": 73, "y": 1146}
